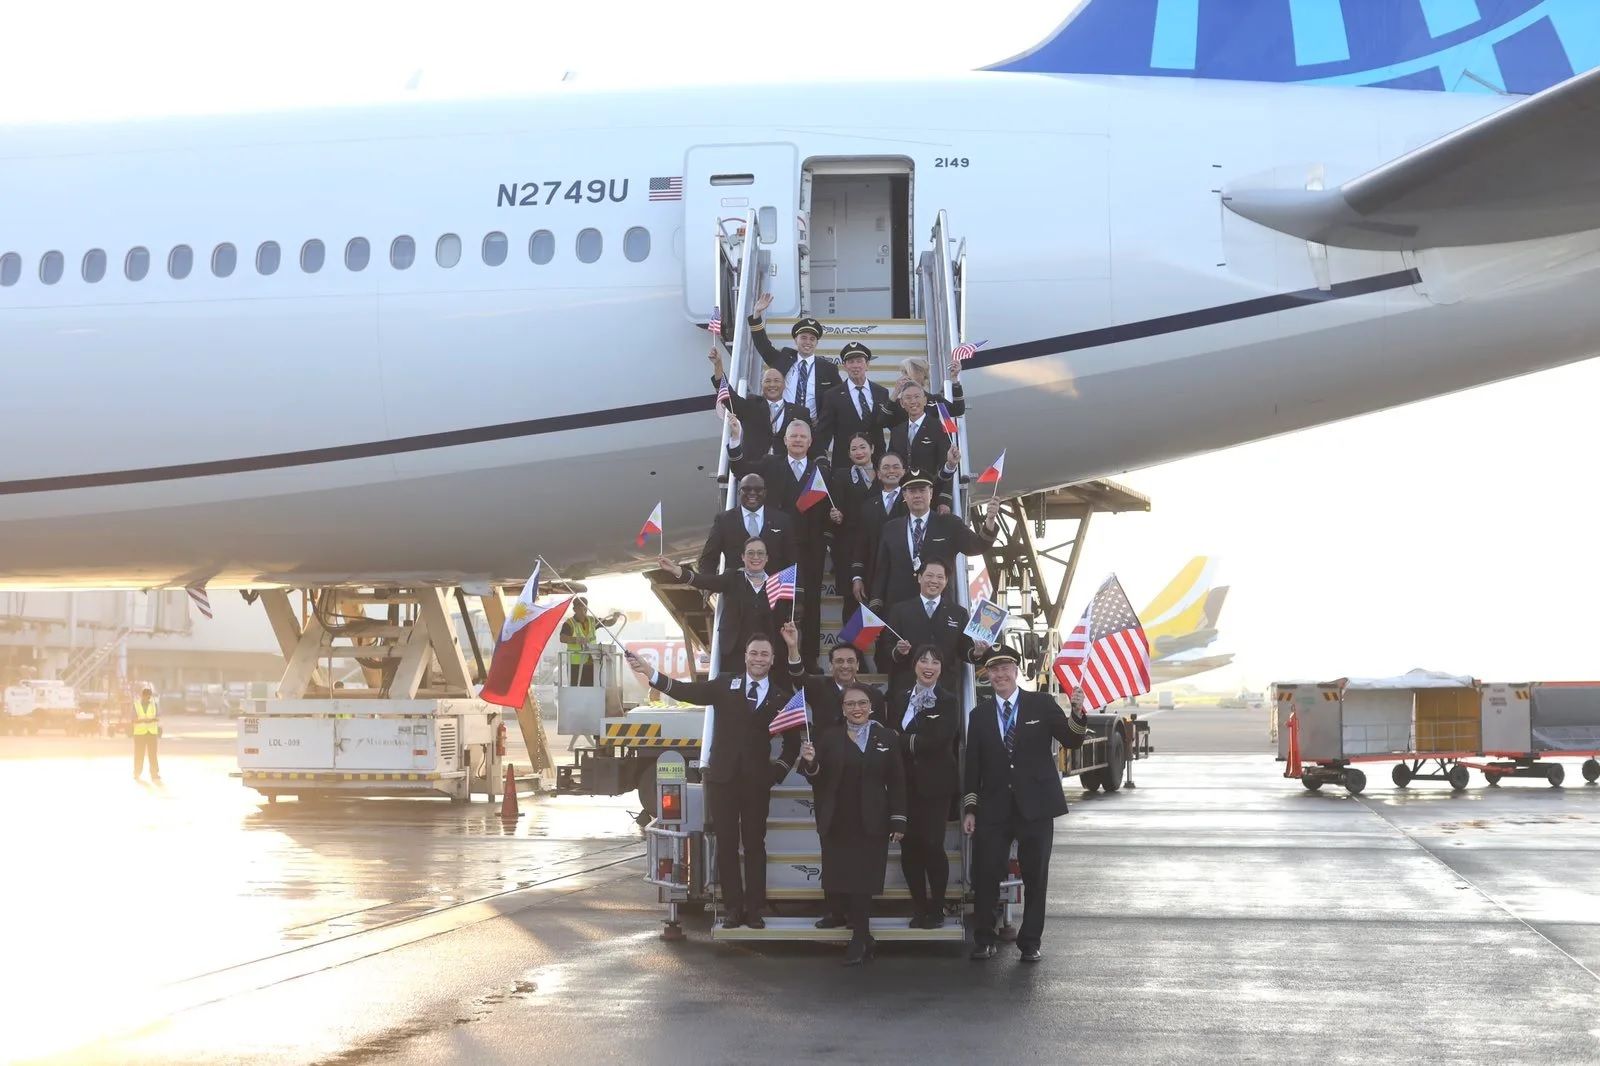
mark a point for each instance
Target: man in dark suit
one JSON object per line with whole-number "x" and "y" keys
{"x": 766, "y": 415}
{"x": 806, "y": 375}
{"x": 919, "y": 435}
{"x": 920, "y": 535}
{"x": 739, "y": 771}
{"x": 885, "y": 502}
{"x": 752, "y": 518}
{"x": 1013, "y": 794}
{"x": 822, "y": 693}
{"x": 927, "y": 618}
{"x": 789, "y": 477}
{"x": 856, "y": 405}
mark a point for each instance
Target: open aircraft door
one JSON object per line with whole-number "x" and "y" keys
{"x": 721, "y": 184}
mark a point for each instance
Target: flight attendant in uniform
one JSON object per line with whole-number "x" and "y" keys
{"x": 928, "y": 721}
{"x": 740, "y": 772}
{"x": 746, "y": 610}
{"x": 858, "y": 779}
{"x": 1013, "y": 794}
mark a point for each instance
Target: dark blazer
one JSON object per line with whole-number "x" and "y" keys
{"x": 826, "y": 701}
{"x": 745, "y": 611}
{"x": 1029, "y": 774}
{"x": 852, "y": 497}
{"x": 755, "y": 421}
{"x": 783, "y": 491}
{"x": 928, "y": 745}
{"x": 883, "y": 781}
{"x": 872, "y": 520}
{"x": 927, "y": 452}
{"x": 741, "y": 749}
{"x": 728, "y": 534}
{"x": 943, "y": 631}
{"x": 945, "y": 536}
{"x": 781, "y": 359}
{"x": 838, "y": 420}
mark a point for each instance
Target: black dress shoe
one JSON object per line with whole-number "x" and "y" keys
{"x": 1031, "y": 955}
{"x": 983, "y": 951}
{"x": 732, "y": 920}
{"x": 933, "y": 920}
{"x": 832, "y": 921}
{"x": 754, "y": 921}
{"x": 857, "y": 953}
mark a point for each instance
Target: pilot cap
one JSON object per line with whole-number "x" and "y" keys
{"x": 855, "y": 348}
{"x": 1001, "y": 654}
{"x": 807, "y": 325}
{"x": 916, "y": 477}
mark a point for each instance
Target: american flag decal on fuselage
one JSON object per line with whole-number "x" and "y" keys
{"x": 666, "y": 189}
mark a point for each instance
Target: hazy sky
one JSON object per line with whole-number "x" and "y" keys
{"x": 1452, "y": 535}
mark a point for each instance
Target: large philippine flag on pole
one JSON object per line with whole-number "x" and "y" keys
{"x": 528, "y": 629}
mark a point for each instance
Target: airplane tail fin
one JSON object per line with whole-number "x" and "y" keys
{"x": 1517, "y": 46}
{"x": 1180, "y": 608}
{"x": 1213, "y": 609}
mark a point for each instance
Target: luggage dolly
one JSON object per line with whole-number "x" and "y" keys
{"x": 1523, "y": 764}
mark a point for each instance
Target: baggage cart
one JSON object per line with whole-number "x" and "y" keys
{"x": 1528, "y": 726}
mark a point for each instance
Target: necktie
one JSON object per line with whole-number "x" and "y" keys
{"x": 1010, "y": 725}
{"x": 752, "y": 526}
{"x": 799, "y": 468}
{"x": 861, "y": 401}
{"x": 800, "y": 385}
{"x": 753, "y": 695}
{"x": 930, "y": 605}
{"x": 893, "y": 498}
{"x": 777, "y": 418}
{"x": 916, "y": 537}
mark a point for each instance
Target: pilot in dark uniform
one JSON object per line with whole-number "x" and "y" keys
{"x": 1013, "y": 794}
{"x": 807, "y": 376}
{"x": 930, "y": 617}
{"x": 921, "y": 534}
{"x": 855, "y": 405}
{"x": 739, "y": 772}
{"x": 752, "y": 518}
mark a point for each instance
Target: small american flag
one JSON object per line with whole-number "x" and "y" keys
{"x": 966, "y": 350}
{"x": 715, "y": 325}
{"x": 666, "y": 189}
{"x": 1106, "y": 654}
{"x": 724, "y": 394}
{"x": 794, "y": 713}
{"x": 780, "y": 586}
{"x": 202, "y": 602}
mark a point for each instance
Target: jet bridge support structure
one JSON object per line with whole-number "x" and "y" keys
{"x": 378, "y": 698}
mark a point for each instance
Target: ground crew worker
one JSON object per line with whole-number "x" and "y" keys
{"x": 1013, "y": 794}
{"x": 578, "y": 634}
{"x": 146, "y": 734}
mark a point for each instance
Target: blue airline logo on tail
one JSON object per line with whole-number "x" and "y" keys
{"x": 1518, "y": 46}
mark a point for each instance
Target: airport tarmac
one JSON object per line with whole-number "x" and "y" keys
{"x": 1217, "y": 913}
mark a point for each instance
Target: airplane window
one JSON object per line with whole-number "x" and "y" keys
{"x": 224, "y": 257}
{"x": 10, "y": 269}
{"x": 311, "y": 256}
{"x": 180, "y": 261}
{"x": 137, "y": 264}
{"x": 589, "y": 245}
{"x": 448, "y": 251}
{"x": 357, "y": 254}
{"x": 542, "y": 247}
{"x": 767, "y": 224}
{"x": 402, "y": 253}
{"x": 494, "y": 248}
{"x": 268, "y": 256}
{"x": 51, "y": 267}
{"x": 94, "y": 265}
{"x": 636, "y": 244}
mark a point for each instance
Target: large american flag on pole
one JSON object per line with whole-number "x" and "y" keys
{"x": 1106, "y": 654}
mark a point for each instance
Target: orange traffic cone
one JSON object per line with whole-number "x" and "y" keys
{"x": 508, "y": 799}
{"x": 1291, "y": 761}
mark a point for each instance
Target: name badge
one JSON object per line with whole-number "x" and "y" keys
{"x": 733, "y": 684}
{"x": 916, "y": 562}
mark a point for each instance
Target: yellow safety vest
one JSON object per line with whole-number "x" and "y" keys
{"x": 583, "y": 631}
{"x": 146, "y": 720}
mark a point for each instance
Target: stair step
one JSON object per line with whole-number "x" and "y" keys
{"x": 805, "y": 929}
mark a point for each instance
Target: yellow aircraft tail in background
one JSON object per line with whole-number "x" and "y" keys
{"x": 1184, "y": 609}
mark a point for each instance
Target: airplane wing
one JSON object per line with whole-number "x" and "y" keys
{"x": 1531, "y": 170}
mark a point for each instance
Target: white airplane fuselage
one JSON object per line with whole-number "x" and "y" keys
{"x": 439, "y": 424}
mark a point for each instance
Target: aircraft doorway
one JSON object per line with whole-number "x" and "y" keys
{"x": 860, "y": 259}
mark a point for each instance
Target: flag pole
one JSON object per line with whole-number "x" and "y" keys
{"x": 576, "y": 596}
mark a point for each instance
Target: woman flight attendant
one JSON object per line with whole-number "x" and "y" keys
{"x": 745, "y": 608}
{"x": 927, "y": 721}
{"x": 858, "y": 779}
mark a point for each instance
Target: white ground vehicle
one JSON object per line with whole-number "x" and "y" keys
{"x": 34, "y": 704}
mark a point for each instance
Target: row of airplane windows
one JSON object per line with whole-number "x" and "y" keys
{"x": 313, "y": 254}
